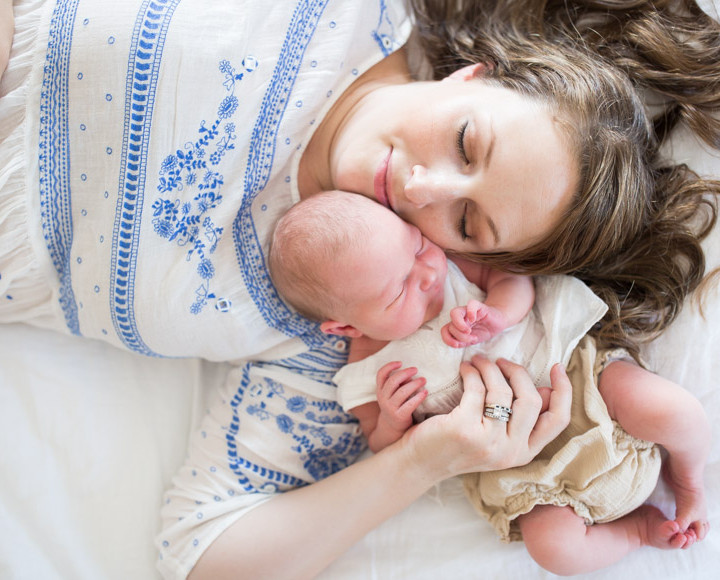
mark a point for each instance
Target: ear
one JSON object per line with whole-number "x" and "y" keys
{"x": 339, "y": 329}
{"x": 469, "y": 72}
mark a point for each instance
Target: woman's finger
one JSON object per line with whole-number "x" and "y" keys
{"x": 554, "y": 420}
{"x": 474, "y": 388}
{"x": 498, "y": 390}
{"x": 526, "y": 401}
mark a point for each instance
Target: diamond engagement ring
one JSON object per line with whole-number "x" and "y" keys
{"x": 498, "y": 412}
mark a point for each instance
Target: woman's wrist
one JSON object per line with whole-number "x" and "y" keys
{"x": 432, "y": 451}
{"x": 417, "y": 467}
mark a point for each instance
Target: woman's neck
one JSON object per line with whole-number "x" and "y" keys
{"x": 314, "y": 170}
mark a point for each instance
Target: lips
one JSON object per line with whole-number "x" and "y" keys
{"x": 381, "y": 181}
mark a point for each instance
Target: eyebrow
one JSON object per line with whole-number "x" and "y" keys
{"x": 490, "y": 149}
{"x": 493, "y": 229}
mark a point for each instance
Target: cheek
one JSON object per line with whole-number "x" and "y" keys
{"x": 434, "y": 225}
{"x": 419, "y": 313}
{"x": 403, "y": 323}
{"x": 348, "y": 176}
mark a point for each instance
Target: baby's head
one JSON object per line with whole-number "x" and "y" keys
{"x": 356, "y": 267}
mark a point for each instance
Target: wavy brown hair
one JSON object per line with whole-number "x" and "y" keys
{"x": 634, "y": 229}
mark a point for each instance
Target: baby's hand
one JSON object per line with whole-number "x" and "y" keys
{"x": 472, "y": 324}
{"x": 398, "y": 395}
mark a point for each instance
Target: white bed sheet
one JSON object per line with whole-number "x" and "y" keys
{"x": 90, "y": 437}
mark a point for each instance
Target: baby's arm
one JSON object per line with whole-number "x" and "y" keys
{"x": 7, "y": 27}
{"x": 509, "y": 298}
{"x": 399, "y": 393}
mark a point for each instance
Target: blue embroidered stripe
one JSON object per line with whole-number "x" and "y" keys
{"x": 262, "y": 150}
{"x": 318, "y": 364}
{"x": 241, "y": 466}
{"x": 143, "y": 65}
{"x": 54, "y": 155}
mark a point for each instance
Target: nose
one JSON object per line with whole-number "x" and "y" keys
{"x": 428, "y": 270}
{"x": 426, "y": 187}
{"x": 428, "y": 277}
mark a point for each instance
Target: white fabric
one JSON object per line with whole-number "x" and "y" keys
{"x": 155, "y": 203}
{"x": 91, "y": 436}
{"x": 563, "y": 312}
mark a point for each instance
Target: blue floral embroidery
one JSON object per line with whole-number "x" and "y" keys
{"x": 192, "y": 170}
{"x": 305, "y": 422}
{"x": 323, "y": 455}
{"x": 384, "y": 33}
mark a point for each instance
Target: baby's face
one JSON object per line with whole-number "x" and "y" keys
{"x": 393, "y": 282}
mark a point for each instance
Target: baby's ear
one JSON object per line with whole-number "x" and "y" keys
{"x": 339, "y": 329}
{"x": 468, "y": 72}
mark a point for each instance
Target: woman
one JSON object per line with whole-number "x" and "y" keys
{"x": 169, "y": 145}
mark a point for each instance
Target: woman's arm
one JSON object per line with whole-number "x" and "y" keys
{"x": 299, "y": 533}
{"x": 7, "y": 27}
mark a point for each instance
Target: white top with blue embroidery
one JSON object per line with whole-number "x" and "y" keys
{"x": 169, "y": 137}
{"x": 564, "y": 310}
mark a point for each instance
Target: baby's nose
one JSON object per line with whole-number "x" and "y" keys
{"x": 429, "y": 277}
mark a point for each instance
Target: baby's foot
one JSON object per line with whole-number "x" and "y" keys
{"x": 690, "y": 506}
{"x": 656, "y": 530}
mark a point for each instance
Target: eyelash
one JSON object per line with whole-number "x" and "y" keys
{"x": 462, "y": 224}
{"x": 399, "y": 296}
{"x": 460, "y": 143}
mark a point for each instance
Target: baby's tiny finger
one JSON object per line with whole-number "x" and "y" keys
{"x": 397, "y": 378}
{"x": 386, "y": 370}
{"x": 408, "y": 389}
{"x": 457, "y": 315}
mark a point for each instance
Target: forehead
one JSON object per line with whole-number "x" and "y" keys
{"x": 374, "y": 235}
{"x": 364, "y": 276}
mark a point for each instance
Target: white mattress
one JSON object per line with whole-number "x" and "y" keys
{"x": 91, "y": 436}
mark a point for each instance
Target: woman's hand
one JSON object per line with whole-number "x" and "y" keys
{"x": 466, "y": 440}
{"x": 7, "y": 27}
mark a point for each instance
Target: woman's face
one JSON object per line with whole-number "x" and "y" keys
{"x": 477, "y": 167}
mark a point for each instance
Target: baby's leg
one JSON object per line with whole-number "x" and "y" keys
{"x": 654, "y": 409}
{"x": 558, "y": 539}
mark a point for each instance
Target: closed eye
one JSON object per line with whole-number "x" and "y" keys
{"x": 398, "y": 297}
{"x": 462, "y": 224}
{"x": 460, "y": 143}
